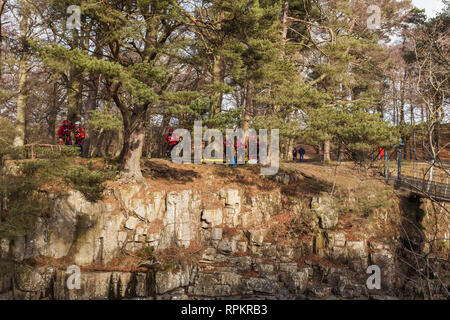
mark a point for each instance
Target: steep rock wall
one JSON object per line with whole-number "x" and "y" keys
{"x": 236, "y": 243}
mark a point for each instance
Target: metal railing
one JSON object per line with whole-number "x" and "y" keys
{"x": 437, "y": 190}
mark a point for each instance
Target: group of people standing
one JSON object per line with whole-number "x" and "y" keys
{"x": 70, "y": 134}
{"x": 172, "y": 139}
{"x": 296, "y": 152}
{"x": 238, "y": 144}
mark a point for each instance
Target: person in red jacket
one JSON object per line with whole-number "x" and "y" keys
{"x": 171, "y": 140}
{"x": 64, "y": 132}
{"x": 79, "y": 136}
{"x": 381, "y": 154}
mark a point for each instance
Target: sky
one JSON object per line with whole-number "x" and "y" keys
{"x": 432, "y": 7}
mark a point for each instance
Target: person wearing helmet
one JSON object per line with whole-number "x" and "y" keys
{"x": 79, "y": 136}
{"x": 171, "y": 140}
{"x": 64, "y": 132}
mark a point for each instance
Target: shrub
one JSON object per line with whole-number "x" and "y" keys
{"x": 22, "y": 201}
{"x": 22, "y": 194}
{"x": 7, "y": 133}
{"x": 146, "y": 253}
{"x": 89, "y": 183}
{"x": 57, "y": 153}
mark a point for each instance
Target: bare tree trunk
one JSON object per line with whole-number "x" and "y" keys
{"x": 134, "y": 123}
{"x": 287, "y": 145}
{"x": 91, "y": 105}
{"x": 119, "y": 144}
{"x": 248, "y": 107}
{"x": 402, "y": 113}
{"x": 341, "y": 151}
{"x": 218, "y": 79}
{"x": 290, "y": 147}
{"x": 74, "y": 96}
{"x": 438, "y": 120}
{"x": 413, "y": 136}
{"x": 75, "y": 84}
{"x": 21, "y": 104}
{"x": 402, "y": 99}
{"x": 20, "y": 139}
{"x": 2, "y": 9}
{"x": 53, "y": 114}
{"x": 327, "y": 151}
{"x": 381, "y": 109}
{"x": 96, "y": 145}
{"x": 132, "y": 150}
{"x": 285, "y": 20}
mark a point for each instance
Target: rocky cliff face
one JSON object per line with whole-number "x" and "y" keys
{"x": 226, "y": 243}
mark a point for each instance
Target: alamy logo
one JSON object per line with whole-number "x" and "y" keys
{"x": 374, "y": 281}
{"x": 74, "y": 21}
{"x": 235, "y": 146}
{"x": 74, "y": 280}
{"x": 374, "y": 21}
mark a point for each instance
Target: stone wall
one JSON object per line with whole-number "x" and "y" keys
{"x": 244, "y": 262}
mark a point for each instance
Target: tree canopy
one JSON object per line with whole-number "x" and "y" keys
{"x": 316, "y": 70}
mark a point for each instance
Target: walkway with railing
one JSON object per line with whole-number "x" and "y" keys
{"x": 436, "y": 190}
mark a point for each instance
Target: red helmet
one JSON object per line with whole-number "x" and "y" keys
{"x": 171, "y": 130}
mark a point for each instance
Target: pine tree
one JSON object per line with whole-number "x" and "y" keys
{"x": 142, "y": 40}
{"x": 348, "y": 114}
